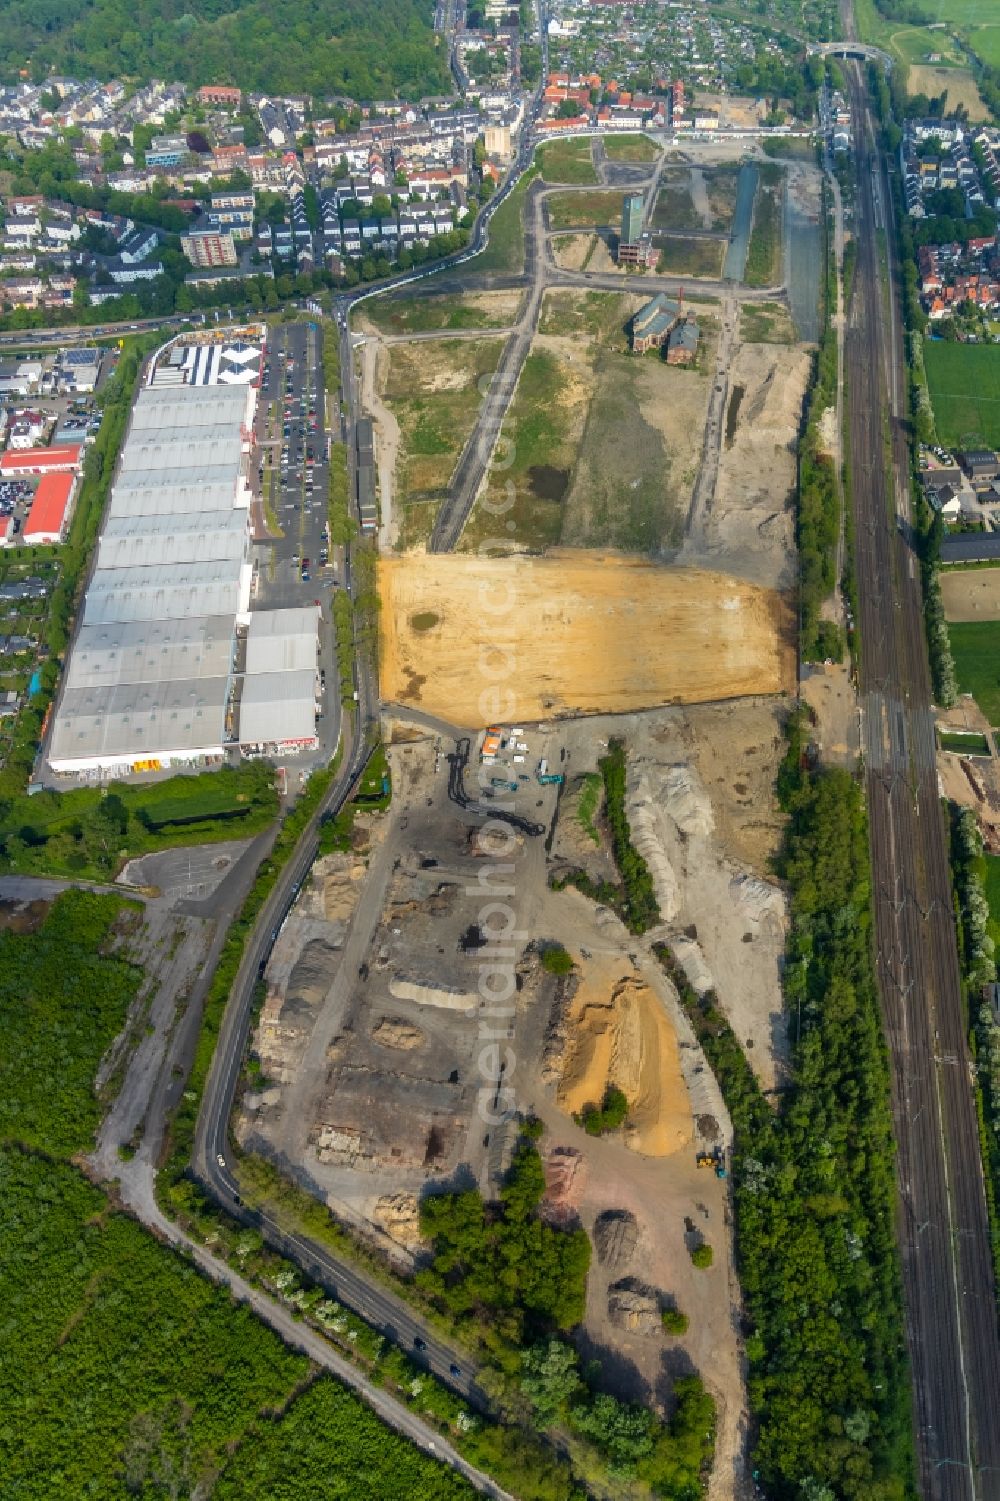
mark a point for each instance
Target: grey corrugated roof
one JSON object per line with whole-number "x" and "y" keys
{"x": 278, "y": 706}
{"x": 282, "y": 640}
{"x": 151, "y": 651}
{"x": 140, "y": 720}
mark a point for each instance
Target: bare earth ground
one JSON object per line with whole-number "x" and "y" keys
{"x": 570, "y": 251}
{"x": 369, "y": 1036}
{"x": 829, "y": 692}
{"x": 387, "y": 441}
{"x": 749, "y": 529}
{"x": 971, "y": 593}
{"x": 574, "y": 633}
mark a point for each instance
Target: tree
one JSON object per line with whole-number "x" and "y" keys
{"x": 702, "y": 1256}
{"x": 622, "y": 1431}
{"x": 550, "y": 1378}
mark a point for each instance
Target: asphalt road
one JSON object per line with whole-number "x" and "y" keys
{"x": 951, "y": 1313}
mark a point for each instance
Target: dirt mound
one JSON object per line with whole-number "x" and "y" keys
{"x": 575, "y": 632}
{"x": 399, "y": 1216}
{"x": 615, "y": 1236}
{"x": 634, "y": 1307}
{"x": 393, "y": 1033}
{"x": 618, "y": 1033}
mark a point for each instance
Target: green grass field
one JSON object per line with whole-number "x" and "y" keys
{"x": 630, "y": 148}
{"x": 964, "y": 745}
{"x": 993, "y": 894}
{"x": 567, "y": 161}
{"x": 975, "y": 646}
{"x": 580, "y": 210}
{"x": 680, "y": 256}
{"x": 505, "y": 251}
{"x": 766, "y": 323}
{"x": 964, "y": 381}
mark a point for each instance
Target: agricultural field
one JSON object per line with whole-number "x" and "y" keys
{"x": 964, "y": 382}
{"x": 567, "y": 161}
{"x": 582, "y": 210}
{"x": 683, "y": 256}
{"x": 432, "y": 389}
{"x": 975, "y": 646}
{"x": 440, "y": 312}
{"x": 933, "y": 54}
{"x": 630, "y": 148}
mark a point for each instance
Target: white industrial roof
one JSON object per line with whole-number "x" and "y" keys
{"x": 168, "y": 593}
{"x": 175, "y": 495}
{"x": 164, "y": 524}
{"x": 151, "y": 651}
{"x": 140, "y": 720}
{"x": 277, "y": 706}
{"x": 149, "y": 672}
{"x": 156, "y": 548}
{"x": 179, "y": 448}
{"x": 177, "y": 407}
{"x": 283, "y": 640}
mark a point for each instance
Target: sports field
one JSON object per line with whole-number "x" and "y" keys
{"x": 975, "y": 645}
{"x": 964, "y": 382}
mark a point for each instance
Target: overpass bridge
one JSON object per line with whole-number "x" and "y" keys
{"x": 860, "y": 51}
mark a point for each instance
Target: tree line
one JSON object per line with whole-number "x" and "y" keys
{"x": 813, "y": 1180}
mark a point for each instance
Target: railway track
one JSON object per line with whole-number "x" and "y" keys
{"x": 943, "y": 1227}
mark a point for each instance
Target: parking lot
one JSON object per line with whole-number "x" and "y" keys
{"x": 294, "y": 565}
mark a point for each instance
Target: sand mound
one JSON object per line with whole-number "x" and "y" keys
{"x": 618, "y": 1033}
{"x": 574, "y": 632}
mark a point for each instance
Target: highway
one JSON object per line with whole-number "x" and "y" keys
{"x": 949, "y": 1294}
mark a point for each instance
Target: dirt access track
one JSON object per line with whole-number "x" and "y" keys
{"x": 573, "y": 633}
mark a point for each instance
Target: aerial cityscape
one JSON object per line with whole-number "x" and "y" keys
{"x": 500, "y": 750}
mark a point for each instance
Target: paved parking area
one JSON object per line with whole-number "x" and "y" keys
{"x": 296, "y": 567}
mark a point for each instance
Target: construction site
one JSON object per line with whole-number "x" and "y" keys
{"x": 632, "y": 589}
{"x": 368, "y": 1083}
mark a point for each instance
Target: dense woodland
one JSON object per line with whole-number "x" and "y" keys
{"x": 124, "y": 1371}
{"x": 64, "y": 996}
{"x": 313, "y": 47}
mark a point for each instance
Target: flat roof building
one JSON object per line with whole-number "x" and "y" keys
{"x": 50, "y": 511}
{"x": 278, "y": 710}
{"x": 283, "y": 640}
{"x": 150, "y": 675}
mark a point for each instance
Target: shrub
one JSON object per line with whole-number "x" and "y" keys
{"x": 556, "y": 960}
{"x": 675, "y": 1322}
{"x": 702, "y": 1256}
{"x": 609, "y": 1116}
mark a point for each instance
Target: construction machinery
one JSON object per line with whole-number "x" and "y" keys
{"x": 712, "y": 1160}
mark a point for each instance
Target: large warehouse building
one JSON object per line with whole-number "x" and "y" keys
{"x": 169, "y": 667}
{"x": 150, "y": 674}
